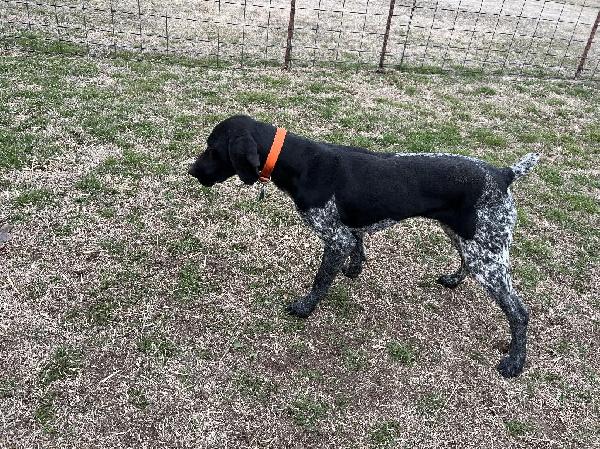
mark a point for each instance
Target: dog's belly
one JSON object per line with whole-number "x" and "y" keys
{"x": 376, "y": 227}
{"x": 327, "y": 223}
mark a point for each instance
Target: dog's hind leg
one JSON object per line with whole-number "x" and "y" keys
{"x": 452, "y": 280}
{"x": 337, "y": 248}
{"x": 487, "y": 259}
{"x": 495, "y": 277}
{"x": 354, "y": 265}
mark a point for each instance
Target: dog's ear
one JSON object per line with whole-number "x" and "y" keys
{"x": 244, "y": 157}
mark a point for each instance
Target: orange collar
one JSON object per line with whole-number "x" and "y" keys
{"x": 265, "y": 173}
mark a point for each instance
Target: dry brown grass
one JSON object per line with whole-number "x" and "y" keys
{"x": 138, "y": 309}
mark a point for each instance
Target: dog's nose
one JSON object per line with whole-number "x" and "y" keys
{"x": 191, "y": 170}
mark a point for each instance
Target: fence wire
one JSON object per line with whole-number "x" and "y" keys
{"x": 553, "y": 38}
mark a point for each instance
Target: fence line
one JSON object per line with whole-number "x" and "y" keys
{"x": 587, "y": 47}
{"x": 386, "y": 34}
{"x": 554, "y": 37}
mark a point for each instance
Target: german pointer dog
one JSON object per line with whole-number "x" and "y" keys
{"x": 342, "y": 192}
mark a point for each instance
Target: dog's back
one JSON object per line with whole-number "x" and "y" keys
{"x": 373, "y": 187}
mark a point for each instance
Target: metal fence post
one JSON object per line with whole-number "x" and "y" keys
{"x": 167, "y": 31}
{"x": 587, "y": 46}
{"x": 85, "y": 27}
{"x": 57, "y": 23}
{"x": 290, "y": 35}
{"x": 28, "y": 16}
{"x": 139, "y": 8}
{"x": 112, "y": 22}
{"x": 243, "y": 36}
{"x": 412, "y": 11}
{"x": 386, "y": 35}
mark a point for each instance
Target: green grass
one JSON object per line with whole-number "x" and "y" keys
{"x": 529, "y": 275}
{"x": 516, "y": 428}
{"x": 488, "y": 137}
{"x": 191, "y": 283}
{"x": 89, "y": 183}
{"x": 101, "y": 312}
{"x": 133, "y": 164}
{"x": 45, "y": 413}
{"x": 39, "y": 43}
{"x": 20, "y": 148}
{"x": 65, "y": 362}
{"x": 593, "y": 135}
{"x": 157, "y": 346}
{"x": 137, "y": 398}
{"x": 551, "y": 176}
{"x": 445, "y": 137}
{"x": 383, "y": 434}
{"x": 263, "y": 98}
{"x": 8, "y": 387}
{"x": 356, "y": 360}
{"x": 577, "y": 202}
{"x": 402, "y": 352}
{"x": 35, "y": 197}
{"x": 486, "y": 91}
{"x": 339, "y": 299}
{"x": 534, "y": 249}
{"x": 430, "y": 404}
{"x": 307, "y": 412}
{"x": 255, "y": 386}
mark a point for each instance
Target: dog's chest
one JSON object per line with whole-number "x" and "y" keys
{"x": 326, "y": 222}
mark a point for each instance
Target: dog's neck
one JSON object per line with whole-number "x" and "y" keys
{"x": 288, "y": 168}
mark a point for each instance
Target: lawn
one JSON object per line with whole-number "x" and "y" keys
{"x": 139, "y": 309}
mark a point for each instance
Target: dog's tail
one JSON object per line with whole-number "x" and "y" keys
{"x": 525, "y": 165}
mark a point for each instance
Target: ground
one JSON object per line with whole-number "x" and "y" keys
{"x": 138, "y": 309}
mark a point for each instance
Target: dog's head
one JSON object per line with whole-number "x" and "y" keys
{"x": 230, "y": 150}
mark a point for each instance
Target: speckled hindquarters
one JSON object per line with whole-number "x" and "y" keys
{"x": 485, "y": 257}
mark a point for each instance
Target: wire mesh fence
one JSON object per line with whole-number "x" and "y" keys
{"x": 554, "y": 38}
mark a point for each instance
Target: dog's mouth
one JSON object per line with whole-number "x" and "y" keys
{"x": 204, "y": 181}
{"x": 209, "y": 176}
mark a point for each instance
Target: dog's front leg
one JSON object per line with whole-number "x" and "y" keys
{"x": 354, "y": 265}
{"x": 334, "y": 256}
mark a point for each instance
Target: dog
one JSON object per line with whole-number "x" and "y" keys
{"x": 343, "y": 192}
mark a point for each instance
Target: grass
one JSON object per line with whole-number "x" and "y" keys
{"x": 45, "y": 413}
{"x": 356, "y": 360}
{"x": 8, "y": 387}
{"x": 64, "y": 363}
{"x": 488, "y": 137}
{"x": 156, "y": 345}
{"x": 442, "y": 138}
{"x": 137, "y": 303}
{"x": 307, "y": 412}
{"x": 430, "y": 404}
{"x": 35, "y": 197}
{"x": 254, "y": 386}
{"x": 137, "y": 398}
{"x": 517, "y": 428}
{"x": 384, "y": 434}
{"x": 401, "y": 352}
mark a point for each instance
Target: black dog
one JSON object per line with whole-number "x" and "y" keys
{"x": 343, "y": 192}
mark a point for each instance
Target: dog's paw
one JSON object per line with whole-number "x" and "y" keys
{"x": 508, "y": 367}
{"x": 351, "y": 271}
{"x": 448, "y": 281}
{"x": 299, "y": 309}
